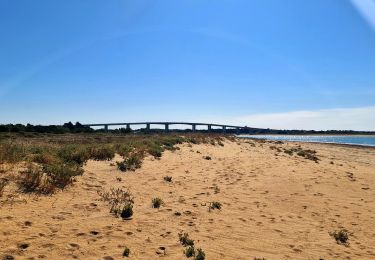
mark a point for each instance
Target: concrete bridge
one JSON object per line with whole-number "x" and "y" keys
{"x": 168, "y": 124}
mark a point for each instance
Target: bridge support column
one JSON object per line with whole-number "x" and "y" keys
{"x": 237, "y": 130}
{"x": 106, "y": 128}
{"x": 209, "y": 128}
{"x": 194, "y": 127}
{"x": 148, "y": 127}
{"x": 224, "y": 129}
{"x": 166, "y": 127}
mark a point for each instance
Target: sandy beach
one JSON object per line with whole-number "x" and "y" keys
{"x": 274, "y": 206}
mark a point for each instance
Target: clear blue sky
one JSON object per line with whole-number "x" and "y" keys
{"x": 199, "y": 60}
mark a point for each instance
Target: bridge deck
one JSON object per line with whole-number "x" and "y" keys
{"x": 165, "y": 123}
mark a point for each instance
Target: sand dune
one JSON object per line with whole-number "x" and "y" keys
{"x": 274, "y": 206}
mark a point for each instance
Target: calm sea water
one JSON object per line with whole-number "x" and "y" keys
{"x": 338, "y": 139}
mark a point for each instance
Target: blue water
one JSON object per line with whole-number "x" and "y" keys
{"x": 337, "y": 139}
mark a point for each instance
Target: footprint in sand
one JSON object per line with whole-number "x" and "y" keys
{"x": 23, "y": 246}
{"x": 73, "y": 246}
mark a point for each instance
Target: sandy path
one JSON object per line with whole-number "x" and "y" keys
{"x": 276, "y": 207}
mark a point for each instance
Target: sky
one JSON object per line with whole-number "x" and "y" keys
{"x": 287, "y": 64}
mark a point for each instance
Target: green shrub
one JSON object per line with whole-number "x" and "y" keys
{"x": 121, "y": 166}
{"x": 32, "y": 179}
{"x": 130, "y": 163}
{"x": 341, "y": 236}
{"x": 74, "y": 153}
{"x": 124, "y": 150}
{"x": 62, "y": 174}
{"x": 126, "y": 252}
{"x": 120, "y": 202}
{"x": 189, "y": 251}
{"x": 215, "y": 205}
{"x": 307, "y": 154}
{"x": 157, "y": 202}
{"x": 192, "y": 140}
{"x": 200, "y": 255}
{"x": 103, "y": 153}
{"x": 43, "y": 158}
{"x": 11, "y": 153}
{"x": 127, "y": 210}
{"x": 155, "y": 150}
{"x": 185, "y": 240}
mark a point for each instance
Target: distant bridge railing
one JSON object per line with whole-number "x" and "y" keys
{"x": 167, "y": 124}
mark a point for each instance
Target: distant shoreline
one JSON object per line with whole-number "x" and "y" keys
{"x": 370, "y": 135}
{"x": 357, "y": 145}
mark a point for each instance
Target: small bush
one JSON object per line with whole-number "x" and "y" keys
{"x": 288, "y": 151}
{"x": 155, "y": 150}
{"x": 127, "y": 210}
{"x": 307, "y": 154}
{"x": 126, "y": 252}
{"x": 3, "y": 183}
{"x": 104, "y": 153}
{"x": 185, "y": 240}
{"x": 207, "y": 158}
{"x": 200, "y": 255}
{"x": 33, "y": 180}
{"x": 157, "y": 202}
{"x": 11, "y": 153}
{"x": 124, "y": 150}
{"x": 130, "y": 163}
{"x": 168, "y": 178}
{"x": 120, "y": 201}
{"x": 215, "y": 205}
{"x": 43, "y": 158}
{"x": 341, "y": 236}
{"x": 122, "y": 166}
{"x": 189, "y": 251}
{"x": 192, "y": 140}
{"x": 74, "y": 153}
{"x": 62, "y": 174}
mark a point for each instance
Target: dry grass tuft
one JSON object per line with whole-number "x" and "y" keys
{"x": 120, "y": 201}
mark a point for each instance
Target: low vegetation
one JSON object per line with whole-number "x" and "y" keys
{"x": 120, "y": 201}
{"x": 215, "y": 205}
{"x": 341, "y": 237}
{"x": 185, "y": 240}
{"x": 130, "y": 163}
{"x": 157, "y": 202}
{"x": 3, "y": 183}
{"x": 200, "y": 255}
{"x": 32, "y": 179}
{"x": 126, "y": 252}
{"x": 190, "y": 250}
{"x": 307, "y": 154}
{"x": 50, "y": 162}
